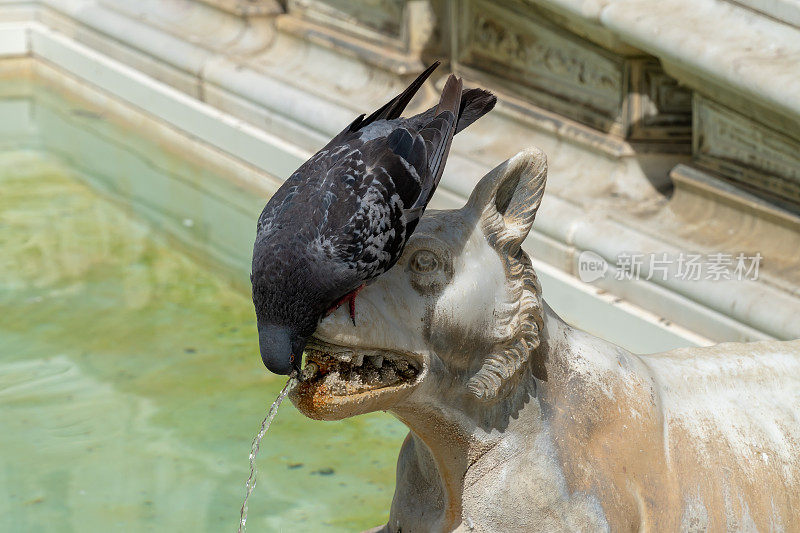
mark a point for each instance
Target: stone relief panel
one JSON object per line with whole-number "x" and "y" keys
{"x": 746, "y": 151}
{"x": 543, "y": 63}
{"x": 515, "y": 48}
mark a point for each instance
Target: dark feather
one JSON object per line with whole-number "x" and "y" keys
{"x": 401, "y": 143}
{"x": 474, "y": 104}
{"x": 395, "y": 107}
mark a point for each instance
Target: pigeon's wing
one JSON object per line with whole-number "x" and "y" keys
{"x": 422, "y": 146}
{"x": 436, "y": 136}
{"x": 359, "y": 222}
{"x": 305, "y": 180}
{"x": 380, "y": 124}
{"x": 383, "y": 188}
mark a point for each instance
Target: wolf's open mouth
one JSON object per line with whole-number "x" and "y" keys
{"x": 347, "y": 371}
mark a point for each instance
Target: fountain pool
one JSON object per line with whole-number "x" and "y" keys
{"x": 130, "y": 380}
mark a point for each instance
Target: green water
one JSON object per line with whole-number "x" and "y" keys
{"x": 131, "y": 387}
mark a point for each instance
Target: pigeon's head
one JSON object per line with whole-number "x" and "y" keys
{"x": 281, "y": 348}
{"x": 287, "y": 312}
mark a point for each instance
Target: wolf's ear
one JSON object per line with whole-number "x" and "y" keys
{"x": 513, "y": 190}
{"x": 505, "y": 202}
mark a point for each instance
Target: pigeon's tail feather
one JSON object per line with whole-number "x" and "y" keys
{"x": 474, "y": 104}
{"x": 451, "y": 96}
{"x": 438, "y": 135}
{"x": 394, "y": 107}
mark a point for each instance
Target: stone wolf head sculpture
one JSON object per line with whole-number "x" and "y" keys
{"x": 461, "y": 309}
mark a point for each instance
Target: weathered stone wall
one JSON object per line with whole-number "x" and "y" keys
{"x": 559, "y": 66}
{"x": 568, "y": 66}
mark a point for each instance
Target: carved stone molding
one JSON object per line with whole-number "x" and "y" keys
{"x": 746, "y": 151}
{"x": 786, "y": 11}
{"x": 391, "y": 34}
{"x": 247, "y": 8}
{"x": 519, "y": 49}
{"x": 380, "y": 21}
{"x": 659, "y": 109}
{"x": 714, "y": 213}
{"x": 546, "y": 65}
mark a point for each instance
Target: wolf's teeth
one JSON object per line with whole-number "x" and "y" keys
{"x": 358, "y": 359}
{"x": 309, "y": 371}
{"x": 408, "y": 372}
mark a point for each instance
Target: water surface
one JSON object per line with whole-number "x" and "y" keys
{"x": 131, "y": 387}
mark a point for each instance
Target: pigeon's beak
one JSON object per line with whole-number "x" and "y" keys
{"x": 275, "y": 343}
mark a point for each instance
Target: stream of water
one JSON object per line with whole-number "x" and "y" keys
{"x": 251, "y": 481}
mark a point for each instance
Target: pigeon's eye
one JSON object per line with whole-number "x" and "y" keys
{"x": 424, "y": 262}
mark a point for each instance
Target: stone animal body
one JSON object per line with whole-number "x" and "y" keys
{"x": 519, "y": 422}
{"x": 345, "y": 215}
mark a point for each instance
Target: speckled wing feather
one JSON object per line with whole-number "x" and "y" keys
{"x": 390, "y": 180}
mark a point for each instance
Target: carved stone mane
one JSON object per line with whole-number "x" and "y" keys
{"x": 518, "y": 322}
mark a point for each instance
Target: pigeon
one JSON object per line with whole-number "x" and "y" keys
{"x": 344, "y": 216}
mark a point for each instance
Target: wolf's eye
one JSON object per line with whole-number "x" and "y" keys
{"x": 429, "y": 271}
{"x": 424, "y": 262}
